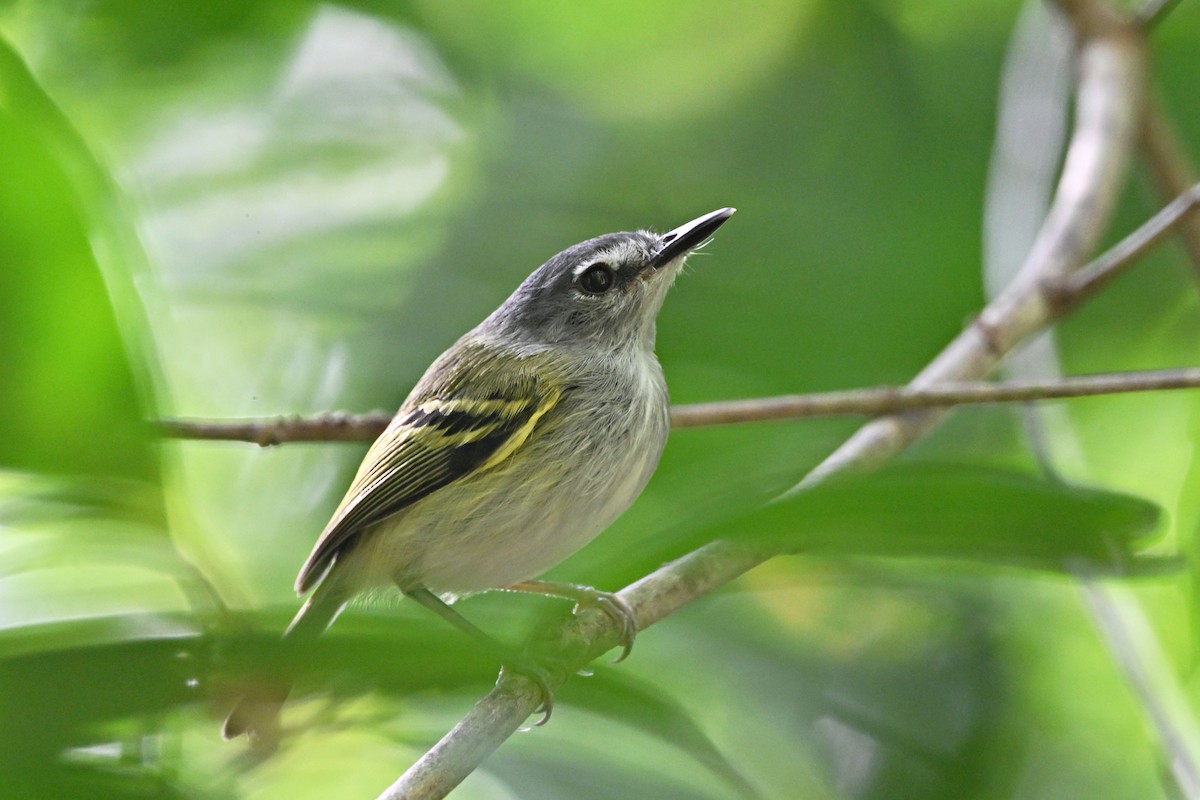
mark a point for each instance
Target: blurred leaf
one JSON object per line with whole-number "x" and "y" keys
{"x": 628, "y": 59}
{"x": 648, "y": 710}
{"x": 1030, "y": 134}
{"x": 942, "y": 511}
{"x": 395, "y": 654}
{"x": 60, "y": 683}
{"x": 69, "y": 394}
{"x": 598, "y": 776}
{"x": 88, "y": 547}
{"x": 400, "y": 657}
{"x": 85, "y": 700}
{"x": 29, "y": 498}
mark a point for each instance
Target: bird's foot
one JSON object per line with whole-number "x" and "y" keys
{"x": 587, "y": 597}
{"x": 540, "y": 678}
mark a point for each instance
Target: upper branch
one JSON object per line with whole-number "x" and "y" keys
{"x": 1108, "y": 113}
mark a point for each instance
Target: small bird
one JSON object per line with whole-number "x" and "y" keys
{"x": 521, "y": 443}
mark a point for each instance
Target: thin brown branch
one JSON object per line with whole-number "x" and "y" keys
{"x": 894, "y": 399}
{"x": 869, "y": 402}
{"x": 334, "y": 427}
{"x": 1172, "y": 172}
{"x": 1086, "y": 281}
{"x": 1108, "y": 112}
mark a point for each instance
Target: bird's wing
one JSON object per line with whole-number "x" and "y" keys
{"x": 450, "y": 427}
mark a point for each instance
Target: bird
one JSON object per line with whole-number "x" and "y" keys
{"x": 521, "y": 443}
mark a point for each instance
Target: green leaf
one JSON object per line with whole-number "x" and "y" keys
{"x": 955, "y": 512}
{"x": 640, "y": 705}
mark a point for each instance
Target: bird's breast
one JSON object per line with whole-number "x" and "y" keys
{"x": 589, "y": 459}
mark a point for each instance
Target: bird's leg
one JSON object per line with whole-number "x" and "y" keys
{"x": 584, "y": 597}
{"x": 509, "y": 658}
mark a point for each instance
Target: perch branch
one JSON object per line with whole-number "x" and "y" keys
{"x": 867, "y": 402}
{"x": 336, "y": 427}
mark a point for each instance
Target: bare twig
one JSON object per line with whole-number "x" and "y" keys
{"x": 335, "y": 427}
{"x": 869, "y": 402}
{"x": 894, "y": 399}
{"x": 1172, "y": 172}
{"x": 1086, "y": 281}
{"x": 1109, "y": 102}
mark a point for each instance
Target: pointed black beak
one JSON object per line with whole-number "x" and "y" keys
{"x": 688, "y": 237}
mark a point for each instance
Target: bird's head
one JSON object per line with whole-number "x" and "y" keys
{"x": 604, "y": 292}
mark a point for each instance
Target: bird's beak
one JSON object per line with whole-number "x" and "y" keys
{"x": 688, "y": 237}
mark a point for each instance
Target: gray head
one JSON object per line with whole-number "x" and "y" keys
{"x": 606, "y": 291}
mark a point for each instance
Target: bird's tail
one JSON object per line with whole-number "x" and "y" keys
{"x": 256, "y": 713}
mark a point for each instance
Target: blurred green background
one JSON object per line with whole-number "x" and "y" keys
{"x": 239, "y": 209}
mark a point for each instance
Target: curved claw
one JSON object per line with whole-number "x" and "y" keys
{"x": 612, "y": 605}
{"x": 541, "y": 679}
{"x": 621, "y": 613}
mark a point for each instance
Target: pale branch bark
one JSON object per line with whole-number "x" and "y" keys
{"x": 1108, "y": 109}
{"x": 584, "y": 637}
{"x": 481, "y": 731}
{"x": 1120, "y": 620}
{"x": 866, "y": 402}
{"x": 1074, "y": 288}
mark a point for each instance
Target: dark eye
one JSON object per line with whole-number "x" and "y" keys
{"x": 596, "y": 279}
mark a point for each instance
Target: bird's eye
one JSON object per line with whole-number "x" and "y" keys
{"x": 596, "y": 279}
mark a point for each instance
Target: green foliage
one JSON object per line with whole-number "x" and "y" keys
{"x": 954, "y": 512}
{"x": 251, "y": 209}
